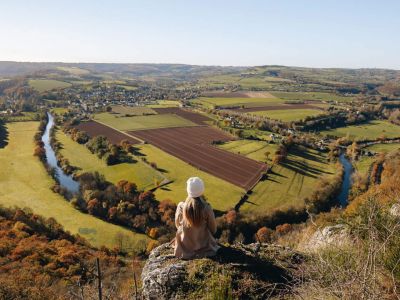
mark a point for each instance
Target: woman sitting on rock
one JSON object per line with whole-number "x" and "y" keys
{"x": 196, "y": 224}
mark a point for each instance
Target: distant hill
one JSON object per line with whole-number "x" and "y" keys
{"x": 11, "y": 68}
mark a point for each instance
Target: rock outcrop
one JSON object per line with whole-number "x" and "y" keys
{"x": 336, "y": 236}
{"x": 259, "y": 270}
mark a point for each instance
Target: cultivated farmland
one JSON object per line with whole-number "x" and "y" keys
{"x": 190, "y": 145}
{"x": 245, "y": 102}
{"x": 136, "y": 111}
{"x": 188, "y": 115}
{"x": 93, "y": 128}
{"x": 221, "y": 194}
{"x": 142, "y": 122}
{"x": 288, "y": 115}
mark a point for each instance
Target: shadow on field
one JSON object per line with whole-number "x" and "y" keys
{"x": 303, "y": 153}
{"x": 302, "y": 168}
{"x": 3, "y": 135}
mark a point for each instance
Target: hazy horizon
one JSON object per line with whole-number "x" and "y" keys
{"x": 329, "y": 34}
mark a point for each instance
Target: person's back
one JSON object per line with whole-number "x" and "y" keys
{"x": 195, "y": 222}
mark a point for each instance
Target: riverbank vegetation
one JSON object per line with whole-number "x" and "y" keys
{"x": 24, "y": 182}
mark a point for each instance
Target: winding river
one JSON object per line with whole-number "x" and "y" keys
{"x": 346, "y": 185}
{"x": 72, "y": 186}
{"x": 66, "y": 181}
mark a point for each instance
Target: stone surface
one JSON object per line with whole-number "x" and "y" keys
{"x": 236, "y": 270}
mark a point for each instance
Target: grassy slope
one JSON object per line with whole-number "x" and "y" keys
{"x": 289, "y": 182}
{"x": 47, "y": 84}
{"x": 364, "y": 163}
{"x": 221, "y": 194}
{"x": 247, "y": 102}
{"x": 137, "y": 111}
{"x": 78, "y": 155}
{"x": 251, "y": 149}
{"x": 384, "y": 147}
{"x": 311, "y": 96}
{"x": 370, "y": 130}
{"x": 288, "y": 114}
{"x": 164, "y": 104}
{"x": 25, "y": 183}
{"x": 142, "y": 122}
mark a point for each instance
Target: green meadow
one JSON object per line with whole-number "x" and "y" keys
{"x": 79, "y": 156}
{"x": 142, "y": 122}
{"x": 24, "y": 182}
{"x": 246, "y": 102}
{"x": 132, "y": 110}
{"x": 319, "y": 96}
{"x": 288, "y": 115}
{"x": 289, "y": 182}
{"x": 42, "y": 85}
{"x": 370, "y": 131}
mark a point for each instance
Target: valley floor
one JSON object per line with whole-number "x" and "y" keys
{"x": 24, "y": 182}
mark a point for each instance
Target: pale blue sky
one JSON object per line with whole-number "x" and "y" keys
{"x": 314, "y": 33}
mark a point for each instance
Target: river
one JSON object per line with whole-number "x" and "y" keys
{"x": 346, "y": 185}
{"x": 66, "y": 181}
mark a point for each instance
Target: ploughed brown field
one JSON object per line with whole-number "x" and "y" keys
{"x": 188, "y": 115}
{"x": 277, "y": 107}
{"x": 193, "y": 145}
{"x": 92, "y": 128}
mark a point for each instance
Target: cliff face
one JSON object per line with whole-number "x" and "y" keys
{"x": 259, "y": 270}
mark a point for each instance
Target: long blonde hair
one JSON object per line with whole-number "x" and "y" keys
{"x": 193, "y": 212}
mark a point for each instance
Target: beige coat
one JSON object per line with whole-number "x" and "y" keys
{"x": 195, "y": 241}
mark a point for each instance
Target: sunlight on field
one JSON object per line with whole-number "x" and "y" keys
{"x": 319, "y": 96}
{"x": 74, "y": 70}
{"x": 42, "y": 85}
{"x": 142, "y": 122}
{"x": 252, "y": 149}
{"x": 164, "y": 104}
{"x": 132, "y": 110}
{"x": 25, "y": 183}
{"x": 288, "y": 115}
{"x": 370, "y": 131}
{"x": 78, "y": 155}
{"x": 246, "y": 102}
{"x": 221, "y": 194}
{"x": 289, "y": 182}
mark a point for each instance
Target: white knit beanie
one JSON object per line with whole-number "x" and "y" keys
{"x": 195, "y": 187}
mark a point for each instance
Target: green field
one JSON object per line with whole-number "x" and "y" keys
{"x": 25, "y": 183}
{"x": 246, "y": 102}
{"x": 78, "y": 155}
{"x": 288, "y": 115}
{"x": 142, "y": 122}
{"x": 221, "y": 194}
{"x": 383, "y": 147}
{"x": 164, "y": 104}
{"x": 363, "y": 164}
{"x": 289, "y": 182}
{"x": 74, "y": 70}
{"x": 320, "y": 96}
{"x": 370, "y": 131}
{"x": 136, "y": 110}
{"x": 42, "y": 85}
{"x": 250, "y": 148}
{"x": 25, "y": 116}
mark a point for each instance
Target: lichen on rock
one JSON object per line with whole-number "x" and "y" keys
{"x": 237, "y": 271}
